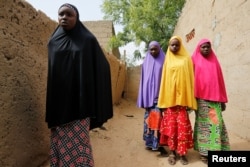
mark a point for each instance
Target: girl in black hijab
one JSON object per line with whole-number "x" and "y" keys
{"x": 79, "y": 96}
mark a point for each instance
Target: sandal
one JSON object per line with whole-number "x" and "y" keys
{"x": 183, "y": 160}
{"x": 172, "y": 159}
{"x": 163, "y": 152}
{"x": 204, "y": 159}
{"x": 148, "y": 148}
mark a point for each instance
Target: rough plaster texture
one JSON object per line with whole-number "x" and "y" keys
{"x": 118, "y": 77}
{"x": 24, "y": 33}
{"x": 132, "y": 82}
{"x": 225, "y": 23}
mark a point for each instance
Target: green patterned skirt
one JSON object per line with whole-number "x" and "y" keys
{"x": 210, "y": 132}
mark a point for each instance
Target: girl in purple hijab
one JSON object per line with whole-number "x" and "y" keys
{"x": 148, "y": 95}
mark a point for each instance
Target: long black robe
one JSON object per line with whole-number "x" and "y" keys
{"x": 79, "y": 81}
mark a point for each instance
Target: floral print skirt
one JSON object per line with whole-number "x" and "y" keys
{"x": 176, "y": 130}
{"x": 210, "y": 133}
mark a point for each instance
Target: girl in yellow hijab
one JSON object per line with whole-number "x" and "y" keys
{"x": 176, "y": 96}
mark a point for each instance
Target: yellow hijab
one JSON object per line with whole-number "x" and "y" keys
{"x": 177, "y": 83}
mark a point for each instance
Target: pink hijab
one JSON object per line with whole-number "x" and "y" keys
{"x": 209, "y": 82}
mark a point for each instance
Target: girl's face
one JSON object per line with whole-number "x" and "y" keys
{"x": 174, "y": 45}
{"x": 67, "y": 18}
{"x": 205, "y": 49}
{"x": 154, "y": 51}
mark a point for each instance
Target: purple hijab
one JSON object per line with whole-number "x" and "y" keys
{"x": 150, "y": 78}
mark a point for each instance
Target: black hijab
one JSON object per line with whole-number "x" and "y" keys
{"x": 79, "y": 81}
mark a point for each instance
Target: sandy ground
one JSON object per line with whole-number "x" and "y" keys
{"x": 121, "y": 144}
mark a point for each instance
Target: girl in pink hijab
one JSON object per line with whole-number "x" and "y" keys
{"x": 210, "y": 132}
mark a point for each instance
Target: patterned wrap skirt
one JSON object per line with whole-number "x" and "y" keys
{"x": 152, "y": 122}
{"x": 70, "y": 145}
{"x": 210, "y": 132}
{"x": 176, "y": 130}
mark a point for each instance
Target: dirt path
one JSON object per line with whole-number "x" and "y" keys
{"x": 121, "y": 144}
